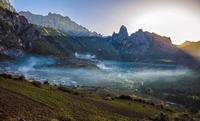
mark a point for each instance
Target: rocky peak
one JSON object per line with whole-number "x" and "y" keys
{"x": 140, "y": 30}
{"x": 123, "y": 33}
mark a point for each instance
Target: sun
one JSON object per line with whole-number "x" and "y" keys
{"x": 180, "y": 25}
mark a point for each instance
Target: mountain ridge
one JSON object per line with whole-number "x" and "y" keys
{"x": 59, "y": 22}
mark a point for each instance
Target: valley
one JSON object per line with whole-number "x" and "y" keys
{"x": 53, "y": 69}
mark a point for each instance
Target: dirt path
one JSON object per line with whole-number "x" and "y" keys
{"x": 14, "y": 107}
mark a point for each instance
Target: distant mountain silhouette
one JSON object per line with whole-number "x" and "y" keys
{"x": 59, "y": 22}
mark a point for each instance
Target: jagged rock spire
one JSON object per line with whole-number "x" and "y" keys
{"x": 123, "y": 32}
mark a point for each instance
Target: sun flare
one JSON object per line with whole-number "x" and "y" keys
{"x": 170, "y": 23}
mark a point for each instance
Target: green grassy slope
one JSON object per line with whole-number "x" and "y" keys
{"x": 80, "y": 105}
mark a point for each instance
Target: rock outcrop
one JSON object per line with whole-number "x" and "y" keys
{"x": 123, "y": 34}
{"x": 16, "y": 33}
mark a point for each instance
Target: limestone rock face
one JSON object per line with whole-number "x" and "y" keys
{"x": 59, "y": 22}
{"x": 16, "y": 33}
{"x": 119, "y": 37}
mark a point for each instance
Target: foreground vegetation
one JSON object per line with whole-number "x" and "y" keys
{"x": 61, "y": 103}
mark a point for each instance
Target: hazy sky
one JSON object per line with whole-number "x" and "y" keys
{"x": 178, "y": 19}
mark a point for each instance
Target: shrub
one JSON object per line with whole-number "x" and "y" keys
{"x": 22, "y": 78}
{"x": 125, "y": 97}
{"x": 151, "y": 103}
{"x": 46, "y": 82}
{"x": 76, "y": 93}
{"x": 36, "y": 83}
{"x": 6, "y": 76}
{"x": 140, "y": 100}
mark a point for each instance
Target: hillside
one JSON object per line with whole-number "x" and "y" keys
{"x": 192, "y": 48}
{"x": 64, "y": 104}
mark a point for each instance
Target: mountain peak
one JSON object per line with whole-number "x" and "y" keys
{"x": 123, "y": 31}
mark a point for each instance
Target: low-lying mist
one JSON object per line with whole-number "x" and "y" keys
{"x": 106, "y": 73}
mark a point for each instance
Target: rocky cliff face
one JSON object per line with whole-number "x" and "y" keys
{"x": 5, "y": 4}
{"x": 16, "y": 33}
{"x": 119, "y": 37}
{"x": 61, "y": 23}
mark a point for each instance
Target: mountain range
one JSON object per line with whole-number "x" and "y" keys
{"x": 61, "y": 23}
{"x": 18, "y": 36}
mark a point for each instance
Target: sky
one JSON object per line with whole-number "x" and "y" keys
{"x": 177, "y": 19}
